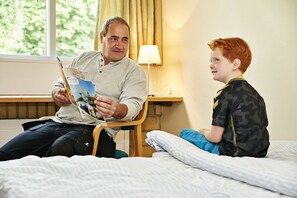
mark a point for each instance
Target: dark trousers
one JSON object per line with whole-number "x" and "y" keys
{"x": 50, "y": 139}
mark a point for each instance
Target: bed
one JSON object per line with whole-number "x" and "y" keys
{"x": 178, "y": 169}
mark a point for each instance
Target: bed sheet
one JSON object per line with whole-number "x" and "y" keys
{"x": 163, "y": 175}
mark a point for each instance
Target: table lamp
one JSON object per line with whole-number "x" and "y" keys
{"x": 149, "y": 54}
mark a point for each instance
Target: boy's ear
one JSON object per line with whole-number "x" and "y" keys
{"x": 236, "y": 63}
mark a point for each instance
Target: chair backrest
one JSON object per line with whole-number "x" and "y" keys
{"x": 143, "y": 112}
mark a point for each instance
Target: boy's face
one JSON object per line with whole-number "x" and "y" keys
{"x": 115, "y": 43}
{"x": 220, "y": 67}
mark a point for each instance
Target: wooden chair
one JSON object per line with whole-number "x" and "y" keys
{"x": 135, "y": 132}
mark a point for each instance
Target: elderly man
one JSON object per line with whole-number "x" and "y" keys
{"x": 121, "y": 86}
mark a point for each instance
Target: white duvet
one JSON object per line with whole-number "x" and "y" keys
{"x": 276, "y": 172}
{"x": 182, "y": 171}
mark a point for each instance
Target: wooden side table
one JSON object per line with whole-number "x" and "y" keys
{"x": 153, "y": 119}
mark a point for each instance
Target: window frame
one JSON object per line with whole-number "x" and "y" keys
{"x": 51, "y": 52}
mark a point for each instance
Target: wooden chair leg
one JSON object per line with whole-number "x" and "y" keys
{"x": 96, "y": 134}
{"x": 138, "y": 141}
{"x": 135, "y": 140}
{"x": 132, "y": 143}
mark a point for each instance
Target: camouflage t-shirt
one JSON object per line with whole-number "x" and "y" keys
{"x": 240, "y": 109}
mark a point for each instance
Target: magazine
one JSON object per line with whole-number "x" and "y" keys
{"x": 67, "y": 87}
{"x": 81, "y": 92}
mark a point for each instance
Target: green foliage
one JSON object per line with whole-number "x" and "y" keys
{"x": 11, "y": 30}
{"x": 81, "y": 29}
{"x": 34, "y": 30}
{"x": 23, "y": 27}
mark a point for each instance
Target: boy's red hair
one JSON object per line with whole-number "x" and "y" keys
{"x": 233, "y": 48}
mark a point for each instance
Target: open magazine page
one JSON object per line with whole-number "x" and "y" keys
{"x": 84, "y": 94}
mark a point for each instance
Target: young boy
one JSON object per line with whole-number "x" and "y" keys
{"x": 239, "y": 120}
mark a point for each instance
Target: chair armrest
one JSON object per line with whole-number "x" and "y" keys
{"x": 97, "y": 130}
{"x": 137, "y": 126}
{"x": 46, "y": 117}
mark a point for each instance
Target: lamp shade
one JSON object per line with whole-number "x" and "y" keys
{"x": 149, "y": 54}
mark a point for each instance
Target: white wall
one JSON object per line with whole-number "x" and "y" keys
{"x": 23, "y": 77}
{"x": 269, "y": 26}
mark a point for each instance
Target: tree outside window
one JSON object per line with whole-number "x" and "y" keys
{"x": 23, "y": 27}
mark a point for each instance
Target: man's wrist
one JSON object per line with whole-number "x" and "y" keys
{"x": 54, "y": 91}
{"x": 121, "y": 111}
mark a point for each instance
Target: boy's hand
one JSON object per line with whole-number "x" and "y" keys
{"x": 213, "y": 135}
{"x": 203, "y": 131}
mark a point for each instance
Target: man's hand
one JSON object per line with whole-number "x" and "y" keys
{"x": 60, "y": 97}
{"x": 108, "y": 107}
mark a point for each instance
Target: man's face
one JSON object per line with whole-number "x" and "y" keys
{"x": 115, "y": 43}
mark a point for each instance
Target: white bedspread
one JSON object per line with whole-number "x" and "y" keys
{"x": 276, "y": 172}
{"x": 168, "y": 174}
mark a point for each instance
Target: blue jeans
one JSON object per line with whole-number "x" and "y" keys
{"x": 200, "y": 141}
{"x": 50, "y": 139}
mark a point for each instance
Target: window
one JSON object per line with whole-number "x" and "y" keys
{"x": 47, "y": 28}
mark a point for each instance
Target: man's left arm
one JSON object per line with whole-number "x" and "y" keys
{"x": 134, "y": 94}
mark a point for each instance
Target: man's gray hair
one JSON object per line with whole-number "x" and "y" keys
{"x": 114, "y": 19}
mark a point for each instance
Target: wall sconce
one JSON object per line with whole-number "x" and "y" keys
{"x": 149, "y": 54}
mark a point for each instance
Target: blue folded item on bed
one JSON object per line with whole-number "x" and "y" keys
{"x": 199, "y": 140}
